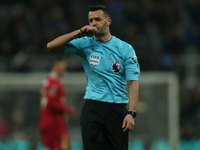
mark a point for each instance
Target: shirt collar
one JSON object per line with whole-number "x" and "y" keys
{"x": 53, "y": 74}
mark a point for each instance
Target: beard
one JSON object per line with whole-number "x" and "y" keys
{"x": 102, "y": 30}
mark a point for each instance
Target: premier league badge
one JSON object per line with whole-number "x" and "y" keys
{"x": 116, "y": 67}
{"x": 94, "y": 60}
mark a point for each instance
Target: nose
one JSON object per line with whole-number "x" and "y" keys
{"x": 94, "y": 23}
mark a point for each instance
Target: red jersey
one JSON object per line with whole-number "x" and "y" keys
{"x": 52, "y": 105}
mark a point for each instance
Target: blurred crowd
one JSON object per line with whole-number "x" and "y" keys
{"x": 162, "y": 32}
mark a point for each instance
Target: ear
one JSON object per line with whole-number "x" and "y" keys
{"x": 109, "y": 21}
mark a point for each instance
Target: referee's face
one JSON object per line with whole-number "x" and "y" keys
{"x": 98, "y": 20}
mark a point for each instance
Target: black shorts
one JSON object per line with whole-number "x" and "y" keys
{"x": 101, "y": 126}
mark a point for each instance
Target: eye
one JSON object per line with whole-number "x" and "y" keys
{"x": 98, "y": 19}
{"x": 90, "y": 20}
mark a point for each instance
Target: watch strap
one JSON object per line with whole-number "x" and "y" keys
{"x": 133, "y": 113}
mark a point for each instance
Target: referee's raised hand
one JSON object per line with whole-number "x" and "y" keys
{"x": 88, "y": 30}
{"x": 128, "y": 123}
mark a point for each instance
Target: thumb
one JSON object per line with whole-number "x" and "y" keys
{"x": 124, "y": 123}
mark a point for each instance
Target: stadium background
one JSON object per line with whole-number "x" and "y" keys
{"x": 164, "y": 33}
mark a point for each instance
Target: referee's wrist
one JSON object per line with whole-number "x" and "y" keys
{"x": 133, "y": 113}
{"x": 81, "y": 32}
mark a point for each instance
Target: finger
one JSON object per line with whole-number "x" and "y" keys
{"x": 124, "y": 124}
{"x": 94, "y": 28}
{"x": 131, "y": 127}
{"x": 126, "y": 129}
{"x": 84, "y": 29}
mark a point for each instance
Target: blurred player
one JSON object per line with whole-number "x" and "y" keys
{"x": 54, "y": 133}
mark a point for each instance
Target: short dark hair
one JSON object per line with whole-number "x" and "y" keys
{"x": 99, "y": 7}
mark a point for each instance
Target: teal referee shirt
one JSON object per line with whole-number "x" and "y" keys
{"x": 108, "y": 65}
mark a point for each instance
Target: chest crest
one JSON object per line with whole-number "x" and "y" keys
{"x": 94, "y": 60}
{"x": 116, "y": 66}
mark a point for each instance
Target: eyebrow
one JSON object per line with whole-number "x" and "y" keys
{"x": 95, "y": 18}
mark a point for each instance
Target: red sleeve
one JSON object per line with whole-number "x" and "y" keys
{"x": 54, "y": 95}
{"x": 58, "y": 106}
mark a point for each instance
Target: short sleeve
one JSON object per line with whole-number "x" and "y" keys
{"x": 132, "y": 68}
{"x": 75, "y": 46}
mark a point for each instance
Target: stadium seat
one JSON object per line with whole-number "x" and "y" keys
{"x": 7, "y": 145}
{"x": 186, "y": 144}
{"x": 22, "y": 144}
{"x": 161, "y": 144}
{"x": 40, "y": 146}
{"x": 1, "y": 145}
{"x": 76, "y": 145}
{"x": 197, "y": 144}
{"x": 136, "y": 144}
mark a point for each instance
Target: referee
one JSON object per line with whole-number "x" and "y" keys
{"x": 108, "y": 63}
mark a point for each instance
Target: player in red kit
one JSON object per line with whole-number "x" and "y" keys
{"x": 54, "y": 132}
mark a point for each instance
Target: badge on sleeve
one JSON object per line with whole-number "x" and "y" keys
{"x": 135, "y": 60}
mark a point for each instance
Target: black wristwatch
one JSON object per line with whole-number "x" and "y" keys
{"x": 133, "y": 113}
